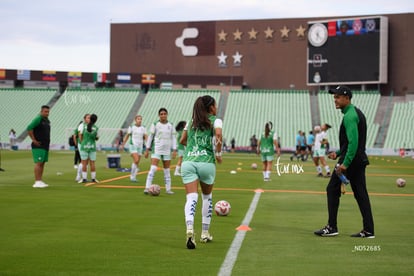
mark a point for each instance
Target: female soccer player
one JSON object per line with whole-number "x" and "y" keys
{"x": 266, "y": 149}
{"x": 199, "y": 164}
{"x": 180, "y": 147}
{"x": 88, "y": 134}
{"x": 321, "y": 142}
{"x": 75, "y": 138}
{"x": 136, "y": 135}
{"x": 162, "y": 138}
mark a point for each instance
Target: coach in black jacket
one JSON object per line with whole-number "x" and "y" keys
{"x": 352, "y": 162}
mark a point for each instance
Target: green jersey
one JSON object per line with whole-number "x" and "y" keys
{"x": 41, "y": 131}
{"x": 200, "y": 147}
{"x": 76, "y": 132}
{"x": 179, "y": 145}
{"x": 88, "y": 143}
{"x": 267, "y": 146}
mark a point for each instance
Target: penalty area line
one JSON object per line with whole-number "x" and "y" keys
{"x": 231, "y": 256}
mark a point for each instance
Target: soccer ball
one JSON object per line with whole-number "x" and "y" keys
{"x": 154, "y": 190}
{"x": 400, "y": 182}
{"x": 222, "y": 208}
{"x": 254, "y": 166}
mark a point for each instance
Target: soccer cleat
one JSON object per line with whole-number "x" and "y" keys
{"x": 327, "y": 231}
{"x": 40, "y": 184}
{"x": 133, "y": 179}
{"x": 94, "y": 180}
{"x": 78, "y": 178}
{"x": 169, "y": 192}
{"x": 177, "y": 174}
{"x": 363, "y": 234}
{"x": 320, "y": 175}
{"x": 205, "y": 237}
{"x": 328, "y": 174}
{"x": 145, "y": 191}
{"x": 82, "y": 181}
{"x": 191, "y": 244}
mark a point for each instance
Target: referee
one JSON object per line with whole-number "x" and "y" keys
{"x": 352, "y": 162}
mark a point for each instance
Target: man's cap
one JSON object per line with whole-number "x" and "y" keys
{"x": 341, "y": 90}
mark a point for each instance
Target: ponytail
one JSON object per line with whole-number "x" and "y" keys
{"x": 92, "y": 121}
{"x": 201, "y": 111}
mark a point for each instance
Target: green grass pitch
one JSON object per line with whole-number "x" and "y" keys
{"x": 112, "y": 228}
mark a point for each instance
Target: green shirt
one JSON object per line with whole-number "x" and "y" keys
{"x": 41, "y": 131}
{"x": 179, "y": 145}
{"x": 352, "y": 137}
{"x": 200, "y": 144}
{"x": 267, "y": 146}
{"x": 89, "y": 138}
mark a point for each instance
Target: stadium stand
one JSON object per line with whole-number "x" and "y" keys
{"x": 248, "y": 110}
{"x": 178, "y": 102}
{"x": 111, "y": 106}
{"x": 401, "y": 130}
{"x": 244, "y": 112}
{"x": 367, "y": 101}
{"x": 19, "y": 106}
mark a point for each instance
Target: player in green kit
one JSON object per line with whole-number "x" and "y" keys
{"x": 266, "y": 149}
{"x": 75, "y": 138}
{"x": 179, "y": 128}
{"x": 88, "y": 134}
{"x": 202, "y": 137}
{"x": 39, "y": 131}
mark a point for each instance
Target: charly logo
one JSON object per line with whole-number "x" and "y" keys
{"x": 76, "y": 98}
{"x": 187, "y": 50}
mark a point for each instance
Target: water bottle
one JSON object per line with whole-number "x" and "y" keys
{"x": 341, "y": 176}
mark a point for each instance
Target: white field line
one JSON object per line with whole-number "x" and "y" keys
{"x": 231, "y": 257}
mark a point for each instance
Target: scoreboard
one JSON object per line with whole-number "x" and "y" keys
{"x": 348, "y": 51}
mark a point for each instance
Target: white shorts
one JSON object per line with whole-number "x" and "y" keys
{"x": 162, "y": 157}
{"x": 134, "y": 149}
{"x": 319, "y": 153}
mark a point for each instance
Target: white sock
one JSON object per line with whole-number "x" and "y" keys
{"x": 177, "y": 169}
{"x": 267, "y": 174}
{"x": 150, "y": 176}
{"x": 190, "y": 208}
{"x": 84, "y": 175}
{"x": 93, "y": 175}
{"x": 207, "y": 211}
{"x": 327, "y": 169}
{"x": 133, "y": 170}
{"x": 80, "y": 170}
{"x": 167, "y": 179}
{"x": 264, "y": 174}
{"x": 319, "y": 169}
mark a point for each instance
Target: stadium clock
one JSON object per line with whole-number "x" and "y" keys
{"x": 317, "y": 34}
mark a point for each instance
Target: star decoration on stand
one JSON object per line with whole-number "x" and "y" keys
{"x": 253, "y": 34}
{"x": 284, "y": 33}
{"x": 222, "y": 36}
{"x": 300, "y": 32}
{"x": 222, "y": 58}
{"x": 237, "y": 35}
{"x": 269, "y": 33}
{"x": 237, "y": 58}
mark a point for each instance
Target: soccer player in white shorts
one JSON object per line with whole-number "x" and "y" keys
{"x": 162, "y": 140}
{"x": 135, "y": 137}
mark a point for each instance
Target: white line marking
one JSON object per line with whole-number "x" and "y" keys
{"x": 231, "y": 257}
